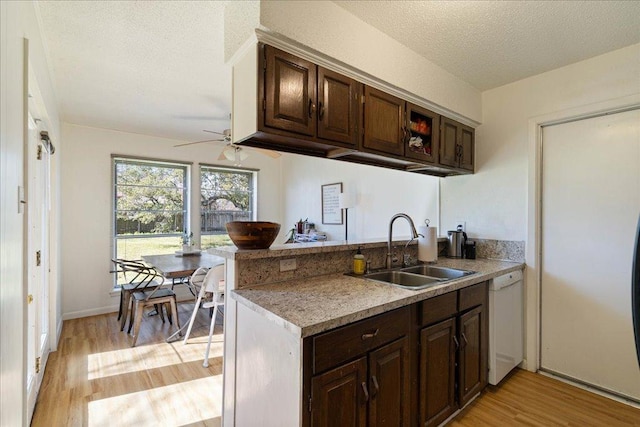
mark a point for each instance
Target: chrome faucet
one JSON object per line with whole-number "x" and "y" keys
{"x": 413, "y": 231}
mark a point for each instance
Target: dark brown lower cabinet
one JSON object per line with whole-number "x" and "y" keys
{"x": 371, "y": 391}
{"x": 453, "y": 353}
{"x": 364, "y": 373}
{"x": 472, "y": 374}
{"x": 437, "y": 376}
{"x": 389, "y": 385}
{"x": 338, "y": 396}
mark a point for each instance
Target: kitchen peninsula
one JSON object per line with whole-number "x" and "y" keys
{"x": 292, "y": 338}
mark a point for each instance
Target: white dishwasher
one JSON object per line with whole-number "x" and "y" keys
{"x": 505, "y": 325}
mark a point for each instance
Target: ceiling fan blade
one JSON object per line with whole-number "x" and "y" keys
{"x": 270, "y": 153}
{"x": 198, "y": 142}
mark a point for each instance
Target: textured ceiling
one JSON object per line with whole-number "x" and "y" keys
{"x": 492, "y": 43}
{"x": 149, "y": 67}
{"x": 157, "y": 67}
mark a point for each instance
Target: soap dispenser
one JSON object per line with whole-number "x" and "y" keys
{"x": 358, "y": 262}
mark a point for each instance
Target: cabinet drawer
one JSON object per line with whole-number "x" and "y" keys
{"x": 472, "y": 296}
{"x": 345, "y": 343}
{"x": 439, "y": 308}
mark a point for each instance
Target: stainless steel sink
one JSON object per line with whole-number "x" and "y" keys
{"x": 417, "y": 277}
{"x": 403, "y": 279}
{"x": 437, "y": 272}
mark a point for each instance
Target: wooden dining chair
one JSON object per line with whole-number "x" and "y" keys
{"x": 152, "y": 296}
{"x": 207, "y": 281}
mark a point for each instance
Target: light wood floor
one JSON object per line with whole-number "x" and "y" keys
{"x": 96, "y": 379}
{"x": 528, "y": 399}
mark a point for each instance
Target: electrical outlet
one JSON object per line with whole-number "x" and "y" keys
{"x": 288, "y": 264}
{"x": 461, "y": 225}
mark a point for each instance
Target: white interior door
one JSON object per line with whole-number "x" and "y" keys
{"x": 590, "y": 207}
{"x": 38, "y": 207}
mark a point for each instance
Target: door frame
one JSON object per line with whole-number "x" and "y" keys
{"x": 533, "y": 246}
{"x": 34, "y": 107}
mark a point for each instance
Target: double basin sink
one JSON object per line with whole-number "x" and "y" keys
{"x": 417, "y": 277}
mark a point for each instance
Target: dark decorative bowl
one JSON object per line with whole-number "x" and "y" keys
{"x": 253, "y": 234}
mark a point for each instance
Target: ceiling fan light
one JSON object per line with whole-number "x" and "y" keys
{"x": 229, "y": 153}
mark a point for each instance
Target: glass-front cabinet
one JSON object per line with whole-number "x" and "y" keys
{"x": 423, "y": 128}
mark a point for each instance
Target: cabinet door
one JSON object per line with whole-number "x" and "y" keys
{"x": 437, "y": 372}
{"x": 424, "y": 134}
{"x": 338, "y": 106}
{"x": 472, "y": 368}
{"x": 448, "y": 153}
{"x": 389, "y": 385}
{"x": 290, "y": 87}
{"x": 339, "y": 397}
{"x": 384, "y": 123}
{"x": 467, "y": 136}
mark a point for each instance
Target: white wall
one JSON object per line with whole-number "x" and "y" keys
{"x": 326, "y": 27}
{"x": 380, "y": 193}
{"x": 87, "y": 205}
{"x": 18, "y": 20}
{"x": 493, "y": 201}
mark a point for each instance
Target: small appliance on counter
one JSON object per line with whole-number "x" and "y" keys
{"x": 456, "y": 244}
{"x": 470, "y": 249}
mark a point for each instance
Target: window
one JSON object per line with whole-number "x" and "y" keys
{"x": 151, "y": 207}
{"x": 225, "y": 195}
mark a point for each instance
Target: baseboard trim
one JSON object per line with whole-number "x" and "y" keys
{"x": 182, "y": 294}
{"x": 627, "y": 400}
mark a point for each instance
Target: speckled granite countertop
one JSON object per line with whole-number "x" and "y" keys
{"x": 293, "y": 249}
{"x": 309, "y": 306}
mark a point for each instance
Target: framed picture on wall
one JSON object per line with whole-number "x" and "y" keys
{"x": 331, "y": 212}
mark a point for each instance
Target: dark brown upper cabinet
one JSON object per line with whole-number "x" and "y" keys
{"x": 338, "y": 102}
{"x": 384, "y": 122}
{"x": 307, "y": 109}
{"x": 423, "y": 134}
{"x": 305, "y": 99}
{"x": 290, "y": 92}
{"x": 456, "y": 144}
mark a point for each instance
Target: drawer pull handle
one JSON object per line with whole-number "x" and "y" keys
{"x": 371, "y": 335}
{"x": 455, "y": 340}
{"x": 376, "y": 387}
{"x": 366, "y": 392}
{"x": 465, "y": 339}
{"x": 311, "y": 108}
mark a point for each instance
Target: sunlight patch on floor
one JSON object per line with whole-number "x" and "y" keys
{"x": 152, "y": 356}
{"x": 174, "y": 405}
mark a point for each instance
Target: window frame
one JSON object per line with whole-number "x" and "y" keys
{"x": 186, "y": 198}
{"x": 228, "y": 169}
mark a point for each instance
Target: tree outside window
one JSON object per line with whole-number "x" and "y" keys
{"x": 150, "y": 207}
{"x": 225, "y": 195}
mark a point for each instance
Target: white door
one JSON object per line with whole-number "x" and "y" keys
{"x": 37, "y": 258}
{"x": 590, "y": 208}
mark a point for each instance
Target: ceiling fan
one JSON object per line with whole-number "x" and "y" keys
{"x": 232, "y": 152}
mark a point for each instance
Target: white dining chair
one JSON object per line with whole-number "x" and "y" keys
{"x": 211, "y": 281}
